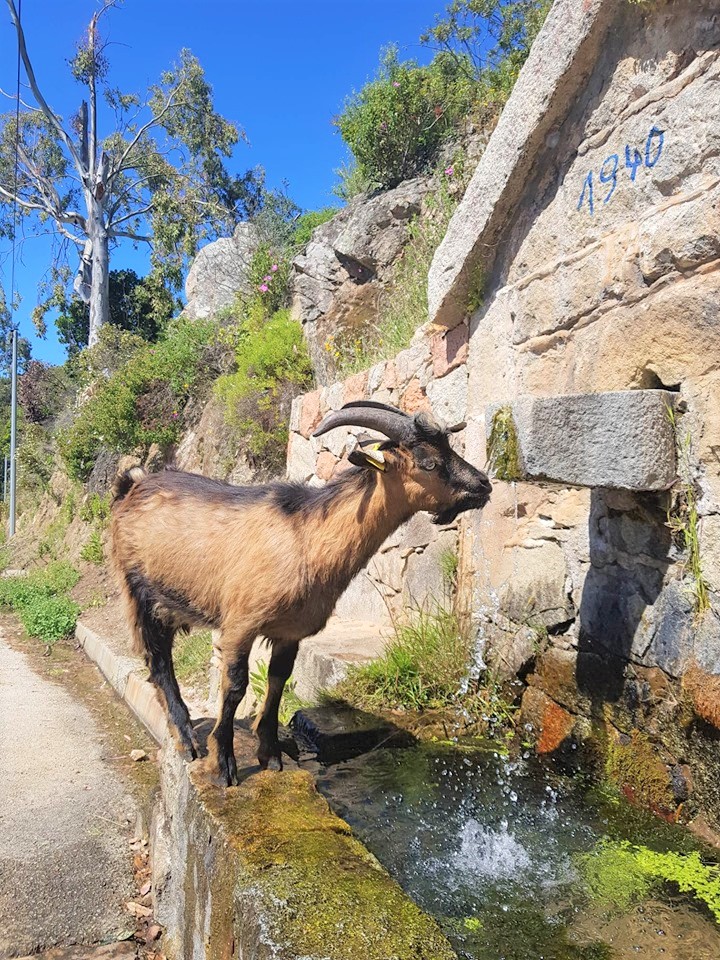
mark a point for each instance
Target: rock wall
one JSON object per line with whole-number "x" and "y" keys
{"x": 606, "y": 278}
{"x": 591, "y": 225}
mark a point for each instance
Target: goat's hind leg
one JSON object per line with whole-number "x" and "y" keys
{"x": 221, "y": 751}
{"x": 158, "y": 640}
{"x": 281, "y": 665}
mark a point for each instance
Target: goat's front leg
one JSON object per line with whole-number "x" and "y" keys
{"x": 221, "y": 753}
{"x": 281, "y": 664}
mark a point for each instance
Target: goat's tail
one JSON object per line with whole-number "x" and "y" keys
{"x": 125, "y": 481}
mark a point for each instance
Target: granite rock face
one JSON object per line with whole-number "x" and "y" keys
{"x": 339, "y": 278}
{"x": 219, "y": 272}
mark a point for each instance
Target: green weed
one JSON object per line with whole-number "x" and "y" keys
{"x": 683, "y": 518}
{"x": 290, "y": 702}
{"x": 93, "y": 551}
{"x": 191, "y": 656}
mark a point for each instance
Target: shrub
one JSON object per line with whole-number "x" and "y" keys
{"x": 41, "y": 602}
{"x": 49, "y": 619}
{"x": 96, "y": 509}
{"x": 142, "y": 401}
{"x": 273, "y": 367}
{"x": 395, "y": 124}
{"x": 41, "y": 391}
{"x": 269, "y": 277}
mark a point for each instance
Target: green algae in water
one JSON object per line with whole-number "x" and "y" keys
{"x": 491, "y": 847}
{"x": 619, "y": 873}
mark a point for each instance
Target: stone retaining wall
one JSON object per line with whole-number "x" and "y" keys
{"x": 591, "y": 229}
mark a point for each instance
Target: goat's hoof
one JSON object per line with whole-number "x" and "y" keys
{"x": 270, "y": 758}
{"x": 224, "y": 771}
{"x": 187, "y": 744}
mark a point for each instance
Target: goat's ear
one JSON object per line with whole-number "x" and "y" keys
{"x": 369, "y": 455}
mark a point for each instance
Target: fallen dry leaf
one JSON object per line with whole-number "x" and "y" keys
{"x": 137, "y": 909}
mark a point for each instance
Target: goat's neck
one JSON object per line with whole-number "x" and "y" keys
{"x": 355, "y": 527}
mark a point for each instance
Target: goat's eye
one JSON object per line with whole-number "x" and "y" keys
{"x": 427, "y": 465}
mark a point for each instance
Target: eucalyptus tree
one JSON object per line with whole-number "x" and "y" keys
{"x": 148, "y": 169}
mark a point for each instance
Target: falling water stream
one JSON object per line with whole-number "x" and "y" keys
{"x": 490, "y": 847}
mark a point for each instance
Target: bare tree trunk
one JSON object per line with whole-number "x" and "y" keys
{"x": 100, "y": 284}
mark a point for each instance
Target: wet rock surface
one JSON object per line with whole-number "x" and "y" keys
{"x": 339, "y": 733}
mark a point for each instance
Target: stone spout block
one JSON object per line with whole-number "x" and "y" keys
{"x": 623, "y": 439}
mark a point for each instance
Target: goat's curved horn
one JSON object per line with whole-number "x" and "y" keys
{"x": 395, "y": 424}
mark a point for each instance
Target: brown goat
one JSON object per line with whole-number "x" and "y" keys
{"x": 270, "y": 560}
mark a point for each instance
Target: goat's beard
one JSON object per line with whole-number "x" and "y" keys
{"x": 443, "y": 517}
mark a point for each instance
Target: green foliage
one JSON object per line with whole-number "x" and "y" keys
{"x": 404, "y": 308}
{"x": 423, "y": 665}
{"x": 140, "y": 306}
{"x": 503, "y": 447}
{"x": 96, "y": 509}
{"x": 191, "y": 656}
{"x": 351, "y": 181}
{"x": 395, "y": 123}
{"x": 41, "y": 602}
{"x": 449, "y": 563}
{"x": 273, "y": 367}
{"x": 42, "y": 391}
{"x": 93, "y": 550}
{"x": 618, "y": 873}
{"x": 308, "y": 221}
{"x": 290, "y": 702}
{"x": 142, "y": 401}
{"x": 34, "y": 458}
{"x": 491, "y": 37}
{"x": 269, "y": 278}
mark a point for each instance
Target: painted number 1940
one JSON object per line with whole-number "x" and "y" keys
{"x": 611, "y": 166}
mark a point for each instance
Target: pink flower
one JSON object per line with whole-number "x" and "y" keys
{"x": 263, "y": 288}
{"x": 449, "y": 171}
{"x": 267, "y": 279}
{"x": 395, "y": 83}
{"x": 274, "y": 268}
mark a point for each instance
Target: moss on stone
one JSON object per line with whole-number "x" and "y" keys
{"x": 633, "y": 766}
{"x": 503, "y": 447}
{"x": 322, "y": 893}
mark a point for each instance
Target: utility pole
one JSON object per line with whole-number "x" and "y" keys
{"x": 13, "y": 433}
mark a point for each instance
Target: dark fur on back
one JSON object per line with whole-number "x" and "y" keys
{"x": 290, "y": 498}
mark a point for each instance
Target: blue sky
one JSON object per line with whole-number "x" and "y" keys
{"x": 280, "y": 70}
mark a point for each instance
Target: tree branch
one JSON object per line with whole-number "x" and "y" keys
{"x": 51, "y": 117}
{"x": 130, "y": 216}
{"x": 27, "y": 204}
{"x": 129, "y": 235}
{"x": 141, "y": 132}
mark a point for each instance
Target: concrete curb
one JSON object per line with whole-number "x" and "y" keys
{"x": 120, "y": 672}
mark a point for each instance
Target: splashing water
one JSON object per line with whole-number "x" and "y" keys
{"x": 490, "y": 846}
{"x": 494, "y": 854}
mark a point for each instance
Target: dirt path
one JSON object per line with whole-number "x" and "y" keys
{"x": 68, "y": 803}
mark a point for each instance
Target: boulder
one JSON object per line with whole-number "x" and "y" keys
{"x": 219, "y": 272}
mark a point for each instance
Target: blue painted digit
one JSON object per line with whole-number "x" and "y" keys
{"x": 612, "y": 176}
{"x": 587, "y": 185}
{"x": 660, "y": 135}
{"x": 632, "y": 163}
